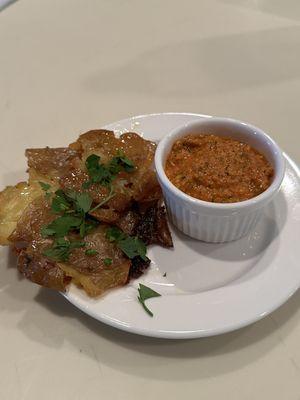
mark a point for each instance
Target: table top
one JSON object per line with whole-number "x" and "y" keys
{"x": 68, "y": 66}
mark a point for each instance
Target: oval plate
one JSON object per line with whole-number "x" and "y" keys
{"x": 208, "y": 289}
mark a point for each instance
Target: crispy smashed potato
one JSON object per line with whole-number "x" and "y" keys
{"x": 13, "y": 202}
{"x": 86, "y": 224}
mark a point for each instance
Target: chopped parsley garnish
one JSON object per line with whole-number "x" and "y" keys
{"x": 73, "y": 209}
{"x": 71, "y": 201}
{"x": 104, "y": 174}
{"x": 146, "y": 293}
{"x": 60, "y": 202}
{"x": 87, "y": 226}
{"x": 83, "y": 201}
{"x": 98, "y": 173}
{"x": 107, "y": 261}
{"x": 45, "y": 187}
{"x": 61, "y": 249}
{"x": 132, "y": 246}
{"x": 115, "y": 234}
{"x": 91, "y": 252}
{"x": 61, "y": 226}
{"x": 120, "y": 161}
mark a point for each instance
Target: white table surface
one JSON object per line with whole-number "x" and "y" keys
{"x": 70, "y": 65}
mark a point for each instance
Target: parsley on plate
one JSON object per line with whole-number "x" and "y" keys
{"x": 146, "y": 293}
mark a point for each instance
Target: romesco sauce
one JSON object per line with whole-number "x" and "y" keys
{"x": 217, "y": 169}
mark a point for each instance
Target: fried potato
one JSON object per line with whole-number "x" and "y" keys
{"x": 133, "y": 205}
{"x": 13, "y": 202}
{"x": 97, "y": 284}
{"x": 49, "y": 164}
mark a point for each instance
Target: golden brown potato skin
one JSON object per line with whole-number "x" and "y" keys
{"x": 13, "y": 201}
{"x": 42, "y": 271}
{"x": 89, "y": 272}
{"x": 24, "y": 210}
{"x": 140, "y": 185}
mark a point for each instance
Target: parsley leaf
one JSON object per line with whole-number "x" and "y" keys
{"x": 61, "y": 226}
{"x": 83, "y": 202}
{"x": 114, "y": 234}
{"x": 45, "y": 186}
{"x": 61, "y": 249}
{"x": 123, "y": 162}
{"x": 132, "y": 246}
{"x": 73, "y": 209}
{"x": 107, "y": 261}
{"x": 87, "y": 226}
{"x": 98, "y": 173}
{"x": 57, "y": 253}
{"x": 76, "y": 245}
{"x": 146, "y": 293}
{"x": 60, "y": 202}
{"x": 91, "y": 252}
{"x": 92, "y": 162}
{"x": 104, "y": 174}
{"x": 45, "y": 231}
{"x": 65, "y": 201}
{"x": 86, "y": 184}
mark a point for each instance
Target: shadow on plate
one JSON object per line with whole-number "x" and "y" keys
{"x": 265, "y": 232}
{"x": 194, "y": 266}
{"x": 164, "y": 359}
{"x": 44, "y": 316}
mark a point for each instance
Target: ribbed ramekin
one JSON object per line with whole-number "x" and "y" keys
{"x": 218, "y": 222}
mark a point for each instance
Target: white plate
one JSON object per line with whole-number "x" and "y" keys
{"x": 209, "y": 288}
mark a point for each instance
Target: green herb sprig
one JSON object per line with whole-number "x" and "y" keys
{"x": 132, "y": 246}
{"x": 61, "y": 249}
{"x": 73, "y": 209}
{"x": 107, "y": 261}
{"x": 91, "y": 252}
{"x": 46, "y": 187}
{"x": 105, "y": 174}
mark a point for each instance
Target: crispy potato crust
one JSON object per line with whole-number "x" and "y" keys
{"x": 135, "y": 208}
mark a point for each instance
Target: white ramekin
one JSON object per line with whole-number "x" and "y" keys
{"x": 218, "y": 222}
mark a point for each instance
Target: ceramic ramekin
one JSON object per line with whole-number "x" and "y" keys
{"x": 218, "y": 222}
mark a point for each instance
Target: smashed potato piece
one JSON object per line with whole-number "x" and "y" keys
{"x": 105, "y": 249}
{"x": 29, "y": 225}
{"x": 96, "y": 284}
{"x": 13, "y": 202}
{"x": 89, "y": 272}
{"x": 101, "y": 142}
{"x": 40, "y": 270}
{"x": 61, "y": 236}
{"x": 139, "y": 185}
{"x": 50, "y": 163}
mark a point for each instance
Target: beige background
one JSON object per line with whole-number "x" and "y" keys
{"x": 70, "y": 65}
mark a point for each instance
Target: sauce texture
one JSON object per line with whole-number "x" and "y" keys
{"x": 217, "y": 169}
